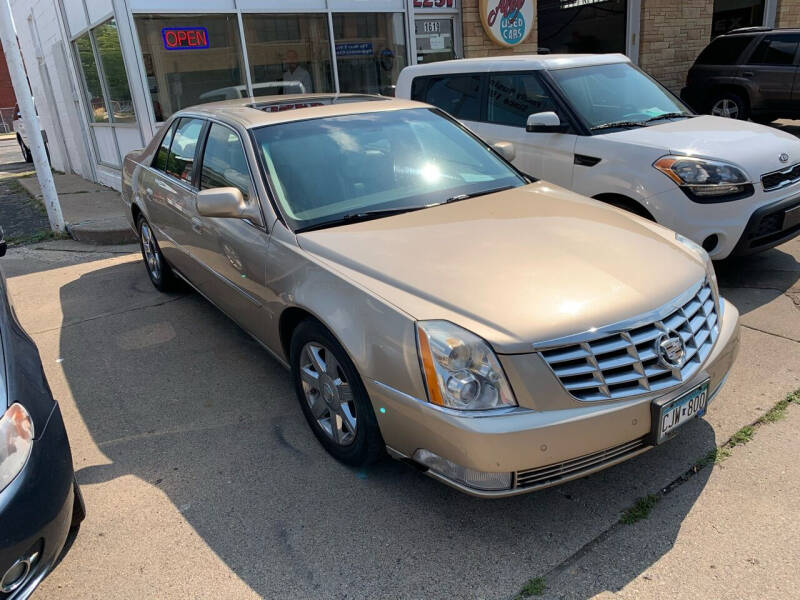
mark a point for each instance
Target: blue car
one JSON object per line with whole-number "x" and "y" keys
{"x": 40, "y": 501}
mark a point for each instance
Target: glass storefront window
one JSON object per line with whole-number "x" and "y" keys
{"x": 370, "y": 51}
{"x": 732, "y": 14}
{"x": 190, "y": 59}
{"x": 576, "y": 26}
{"x": 288, "y": 54}
{"x": 119, "y": 93}
{"x": 98, "y": 113}
{"x": 435, "y": 39}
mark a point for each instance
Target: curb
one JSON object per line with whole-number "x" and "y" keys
{"x": 110, "y": 231}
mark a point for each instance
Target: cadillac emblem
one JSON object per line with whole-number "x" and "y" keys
{"x": 670, "y": 349}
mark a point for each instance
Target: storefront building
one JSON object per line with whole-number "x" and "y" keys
{"x": 107, "y": 73}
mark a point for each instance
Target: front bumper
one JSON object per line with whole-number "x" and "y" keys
{"x": 734, "y": 223}
{"x": 36, "y": 508}
{"x": 770, "y": 226}
{"x": 540, "y": 448}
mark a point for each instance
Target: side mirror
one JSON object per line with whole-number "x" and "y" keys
{"x": 226, "y": 203}
{"x": 545, "y": 122}
{"x": 506, "y": 150}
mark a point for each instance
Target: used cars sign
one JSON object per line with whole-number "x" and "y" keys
{"x": 507, "y": 22}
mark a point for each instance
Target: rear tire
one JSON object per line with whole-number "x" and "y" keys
{"x": 26, "y": 153}
{"x": 158, "y": 269}
{"x": 332, "y": 396}
{"x": 729, "y": 104}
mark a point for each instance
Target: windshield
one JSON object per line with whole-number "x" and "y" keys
{"x": 324, "y": 170}
{"x": 618, "y": 93}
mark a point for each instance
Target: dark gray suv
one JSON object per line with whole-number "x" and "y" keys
{"x": 747, "y": 73}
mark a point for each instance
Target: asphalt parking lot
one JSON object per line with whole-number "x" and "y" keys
{"x": 202, "y": 479}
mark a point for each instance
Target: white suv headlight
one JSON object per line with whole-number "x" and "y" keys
{"x": 706, "y": 179}
{"x": 16, "y": 442}
{"x": 461, "y": 371}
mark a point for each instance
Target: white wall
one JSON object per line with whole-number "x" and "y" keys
{"x": 41, "y": 41}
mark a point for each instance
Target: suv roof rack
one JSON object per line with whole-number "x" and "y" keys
{"x": 752, "y": 29}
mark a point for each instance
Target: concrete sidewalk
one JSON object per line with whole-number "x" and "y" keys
{"x": 93, "y": 213}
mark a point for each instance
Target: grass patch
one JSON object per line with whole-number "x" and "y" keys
{"x": 741, "y": 437}
{"x": 39, "y": 236}
{"x": 640, "y": 509}
{"x": 532, "y": 587}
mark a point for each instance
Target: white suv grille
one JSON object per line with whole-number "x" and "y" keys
{"x": 626, "y": 363}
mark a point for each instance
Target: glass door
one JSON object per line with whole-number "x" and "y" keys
{"x": 435, "y": 38}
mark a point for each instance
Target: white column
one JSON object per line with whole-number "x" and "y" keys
{"x": 19, "y": 81}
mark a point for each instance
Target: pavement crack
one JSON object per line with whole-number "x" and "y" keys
{"x": 108, "y": 314}
{"x": 778, "y": 335}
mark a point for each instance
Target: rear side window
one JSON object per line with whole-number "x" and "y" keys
{"x": 160, "y": 161}
{"x": 775, "y": 50}
{"x": 460, "y": 95}
{"x": 224, "y": 162}
{"x": 724, "y": 51}
{"x": 513, "y": 97}
{"x": 180, "y": 160}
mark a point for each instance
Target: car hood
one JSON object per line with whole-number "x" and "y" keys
{"x": 756, "y": 148}
{"x": 517, "y": 267}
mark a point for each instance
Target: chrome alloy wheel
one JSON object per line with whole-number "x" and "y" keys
{"x": 151, "y": 253}
{"x": 725, "y": 107}
{"x": 328, "y": 393}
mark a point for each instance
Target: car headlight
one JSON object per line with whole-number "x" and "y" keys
{"x": 461, "y": 370}
{"x": 704, "y": 178}
{"x": 700, "y": 252}
{"x": 16, "y": 442}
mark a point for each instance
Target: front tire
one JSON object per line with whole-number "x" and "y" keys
{"x": 332, "y": 396}
{"x": 729, "y": 104}
{"x": 158, "y": 269}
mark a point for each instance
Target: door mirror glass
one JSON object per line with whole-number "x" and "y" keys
{"x": 506, "y": 150}
{"x": 226, "y": 203}
{"x": 545, "y": 122}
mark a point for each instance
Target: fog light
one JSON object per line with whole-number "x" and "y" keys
{"x": 710, "y": 242}
{"x": 480, "y": 480}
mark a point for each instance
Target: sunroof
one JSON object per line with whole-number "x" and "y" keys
{"x": 293, "y": 104}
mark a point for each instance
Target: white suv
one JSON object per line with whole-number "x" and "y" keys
{"x": 600, "y": 126}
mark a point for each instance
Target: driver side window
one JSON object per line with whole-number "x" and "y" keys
{"x": 224, "y": 161}
{"x": 515, "y": 96}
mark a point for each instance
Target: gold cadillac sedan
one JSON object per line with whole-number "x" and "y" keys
{"x": 431, "y": 301}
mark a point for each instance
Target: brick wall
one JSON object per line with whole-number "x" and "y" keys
{"x": 7, "y": 99}
{"x": 672, "y": 35}
{"x": 788, "y": 13}
{"x": 477, "y": 43}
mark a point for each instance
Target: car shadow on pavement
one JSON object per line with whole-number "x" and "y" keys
{"x": 177, "y": 395}
{"x": 775, "y": 272}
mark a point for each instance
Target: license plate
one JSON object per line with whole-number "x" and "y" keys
{"x": 675, "y": 413}
{"x": 791, "y": 218}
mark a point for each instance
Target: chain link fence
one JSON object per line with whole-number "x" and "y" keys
{"x": 6, "y": 120}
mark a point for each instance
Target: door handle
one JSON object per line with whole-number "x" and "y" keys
{"x": 197, "y": 225}
{"x": 149, "y": 192}
{"x": 747, "y": 74}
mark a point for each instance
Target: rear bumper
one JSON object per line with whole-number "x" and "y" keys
{"x": 539, "y": 448}
{"x": 36, "y": 508}
{"x": 768, "y": 227}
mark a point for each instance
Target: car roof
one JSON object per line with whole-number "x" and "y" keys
{"x": 758, "y": 30}
{"x": 517, "y": 62}
{"x": 270, "y": 110}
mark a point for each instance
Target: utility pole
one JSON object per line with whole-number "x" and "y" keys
{"x": 8, "y": 36}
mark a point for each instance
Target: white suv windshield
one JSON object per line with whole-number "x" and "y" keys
{"x": 616, "y": 95}
{"x": 335, "y": 169}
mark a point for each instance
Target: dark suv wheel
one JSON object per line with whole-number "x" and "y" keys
{"x": 729, "y": 104}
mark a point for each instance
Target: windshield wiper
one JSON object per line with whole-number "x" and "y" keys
{"x": 672, "y": 115}
{"x": 366, "y": 215}
{"x": 618, "y": 124}
{"x": 476, "y": 194}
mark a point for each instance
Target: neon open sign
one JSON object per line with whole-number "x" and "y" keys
{"x": 184, "y": 38}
